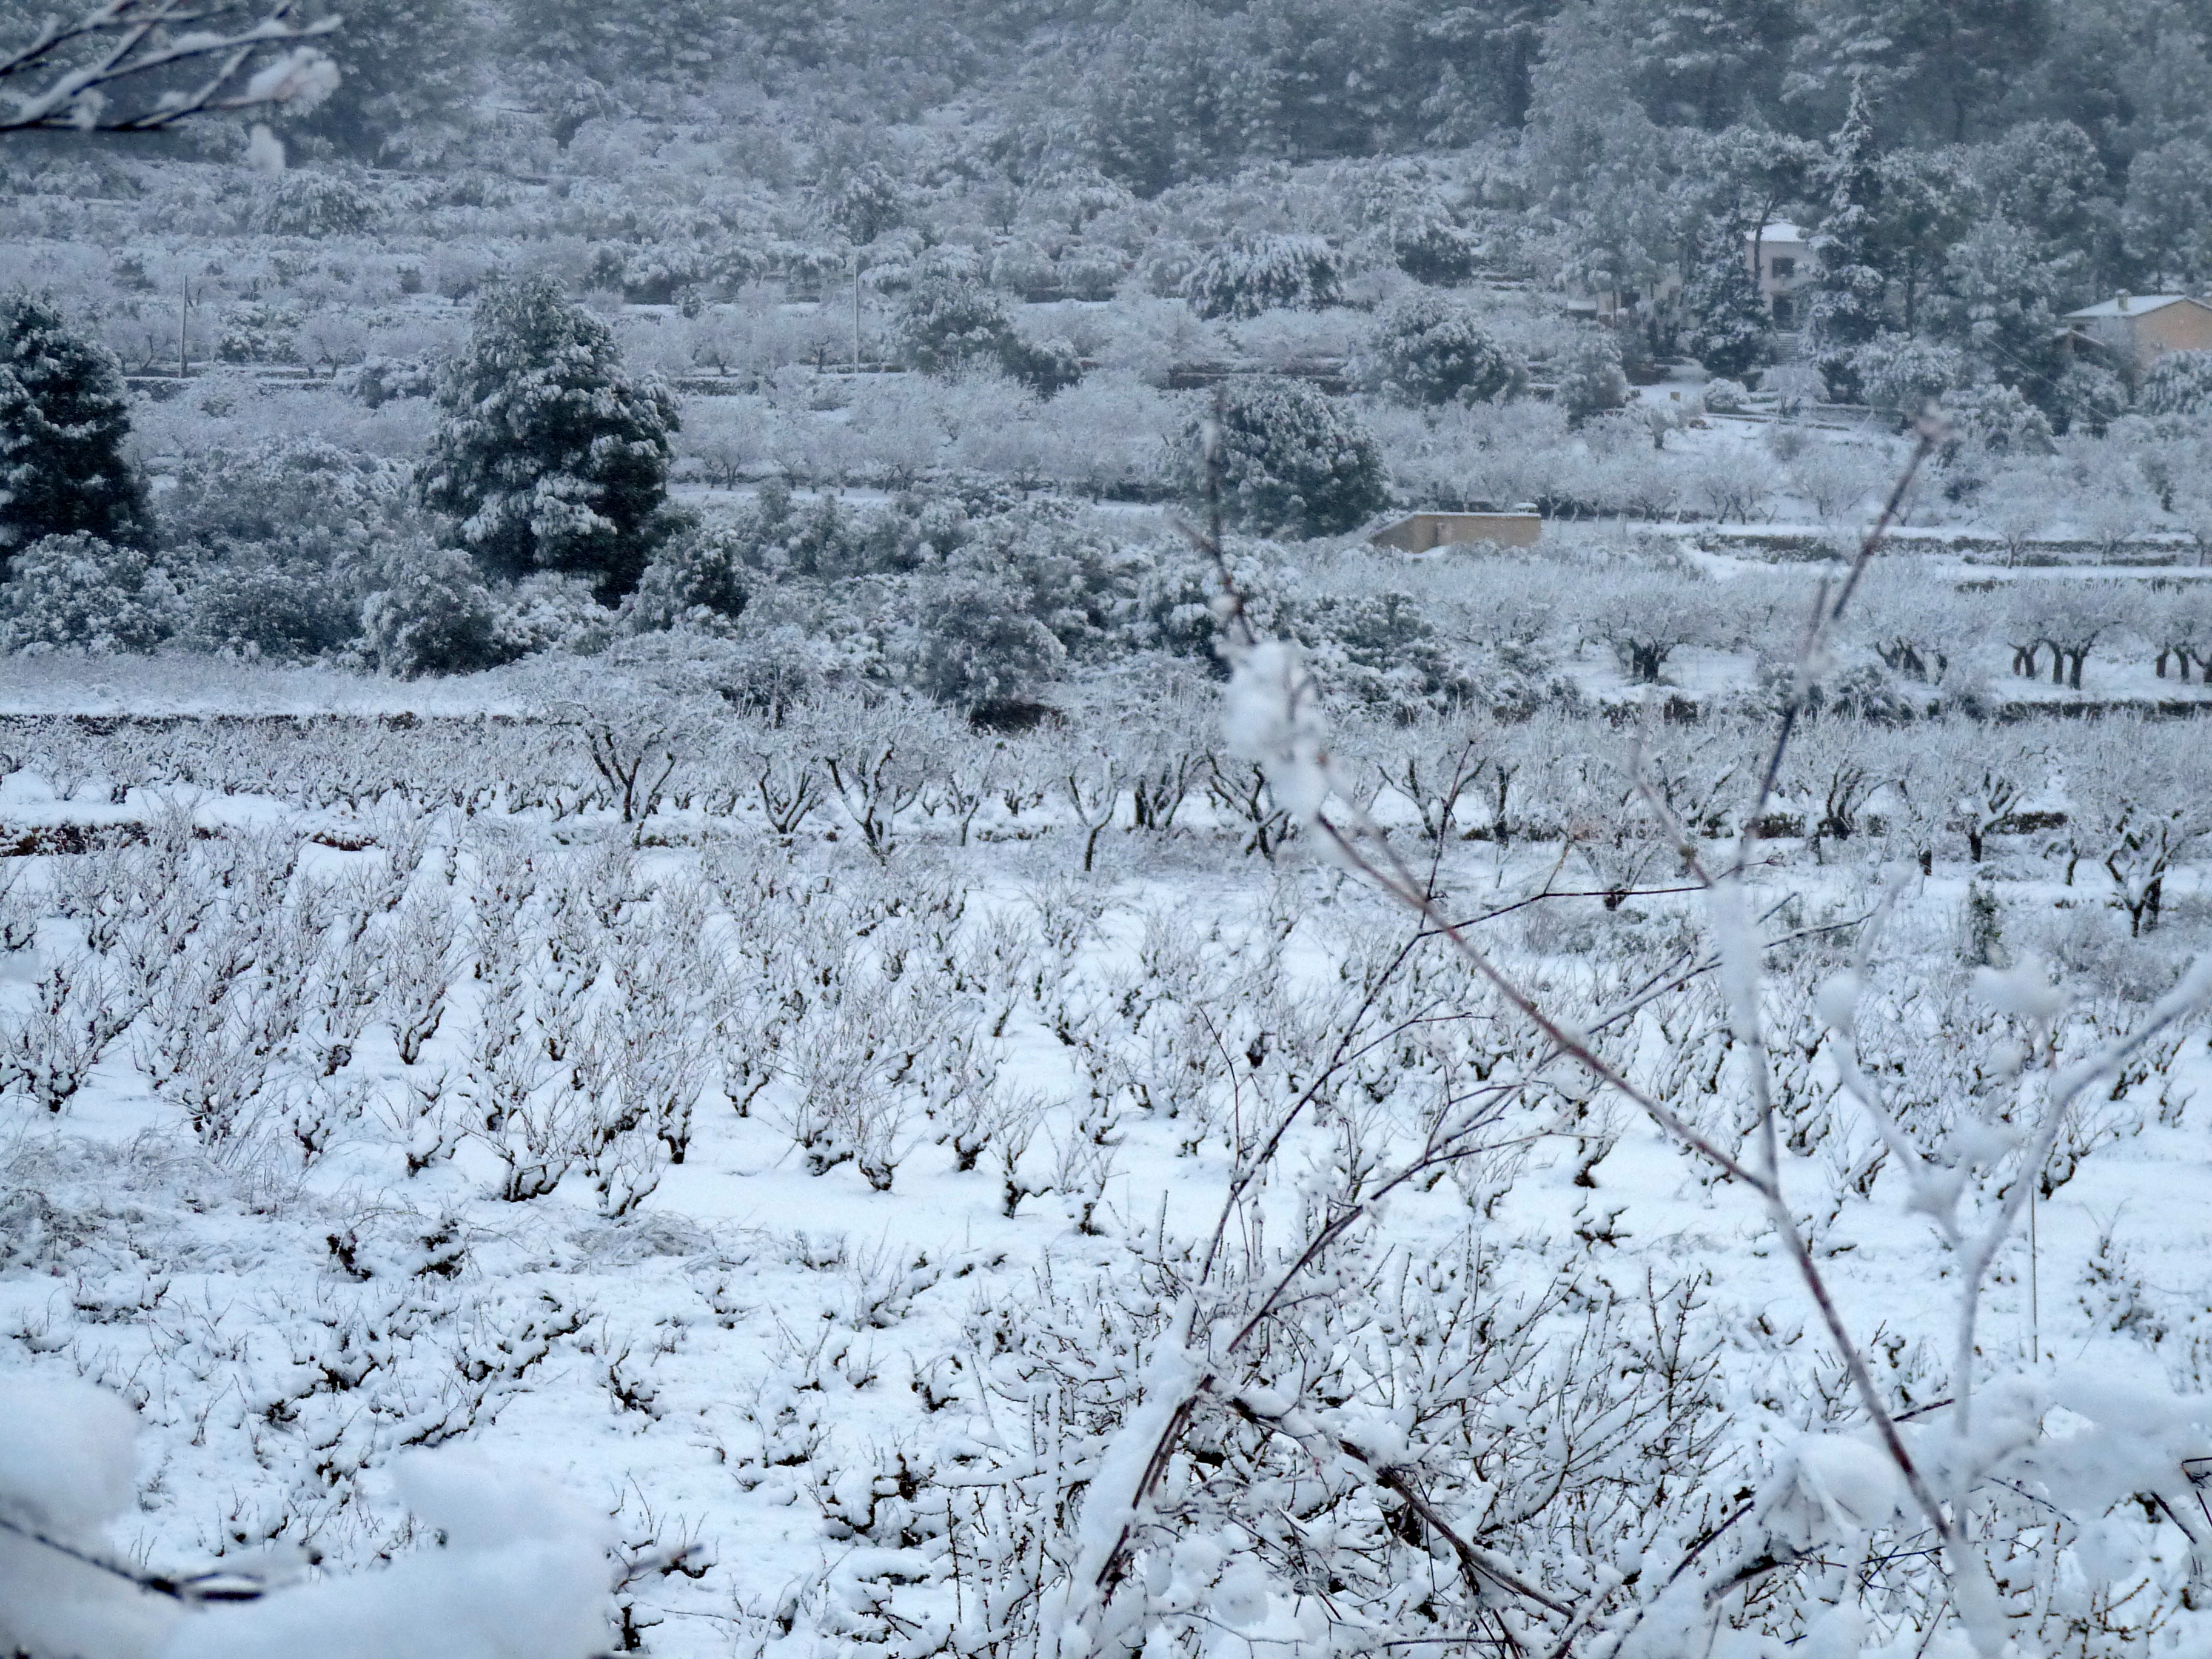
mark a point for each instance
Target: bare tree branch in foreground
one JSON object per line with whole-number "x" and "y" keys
{"x": 146, "y": 65}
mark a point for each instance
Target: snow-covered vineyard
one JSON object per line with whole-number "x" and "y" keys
{"x": 815, "y": 1165}
{"x": 1106, "y": 830}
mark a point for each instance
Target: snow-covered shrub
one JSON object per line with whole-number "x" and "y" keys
{"x": 549, "y": 611}
{"x": 946, "y": 323}
{"x": 276, "y": 601}
{"x": 1902, "y": 373}
{"x": 977, "y": 642}
{"x": 1435, "y": 251}
{"x": 1021, "y": 267}
{"x": 1999, "y": 419}
{"x": 1292, "y": 460}
{"x": 1428, "y": 350}
{"x": 2178, "y": 383}
{"x": 1089, "y": 271}
{"x": 427, "y": 612}
{"x": 79, "y": 591}
{"x": 2086, "y": 398}
{"x": 257, "y": 334}
{"x": 378, "y": 380}
{"x": 1252, "y": 272}
{"x": 1723, "y": 396}
{"x": 1590, "y": 381}
{"x": 697, "y": 580}
{"x": 311, "y": 201}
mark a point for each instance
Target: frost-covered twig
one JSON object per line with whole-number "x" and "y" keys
{"x": 254, "y": 57}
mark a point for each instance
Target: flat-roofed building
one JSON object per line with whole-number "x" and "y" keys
{"x": 1781, "y": 263}
{"x": 1422, "y": 532}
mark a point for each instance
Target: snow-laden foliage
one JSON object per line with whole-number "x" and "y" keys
{"x": 1251, "y": 272}
{"x": 1428, "y": 350}
{"x": 1291, "y": 462}
{"x": 62, "y": 423}
{"x": 551, "y": 456}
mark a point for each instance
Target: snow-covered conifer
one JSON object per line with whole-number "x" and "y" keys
{"x": 551, "y": 457}
{"x": 64, "y": 420}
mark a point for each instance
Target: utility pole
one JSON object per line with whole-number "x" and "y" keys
{"x": 856, "y": 310}
{"x": 184, "y": 314}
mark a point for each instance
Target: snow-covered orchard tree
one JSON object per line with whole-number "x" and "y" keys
{"x": 146, "y": 65}
{"x": 1292, "y": 461}
{"x": 551, "y": 456}
{"x": 1255, "y": 271}
{"x": 1647, "y": 619}
{"x": 64, "y": 420}
{"x": 1430, "y": 349}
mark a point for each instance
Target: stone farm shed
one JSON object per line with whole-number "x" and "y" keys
{"x": 1420, "y": 533}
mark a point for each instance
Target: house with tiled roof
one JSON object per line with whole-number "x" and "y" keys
{"x": 2133, "y": 329}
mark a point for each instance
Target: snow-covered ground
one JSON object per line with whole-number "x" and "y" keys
{"x": 386, "y": 1155}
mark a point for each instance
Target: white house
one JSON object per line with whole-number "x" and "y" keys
{"x": 1782, "y": 263}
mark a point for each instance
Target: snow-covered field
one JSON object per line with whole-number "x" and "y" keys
{"x": 820, "y": 1216}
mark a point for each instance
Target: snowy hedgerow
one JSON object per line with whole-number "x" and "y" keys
{"x": 1591, "y": 380}
{"x": 64, "y": 418}
{"x": 1429, "y": 348}
{"x": 280, "y": 488}
{"x": 1292, "y": 461}
{"x": 81, "y": 592}
{"x": 1253, "y": 271}
{"x": 2180, "y": 383}
{"x": 429, "y": 613}
{"x": 551, "y": 457}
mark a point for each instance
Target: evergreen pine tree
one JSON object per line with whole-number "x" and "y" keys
{"x": 550, "y": 456}
{"x": 1846, "y": 308}
{"x": 1729, "y": 325}
{"x": 63, "y": 416}
{"x": 1292, "y": 461}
